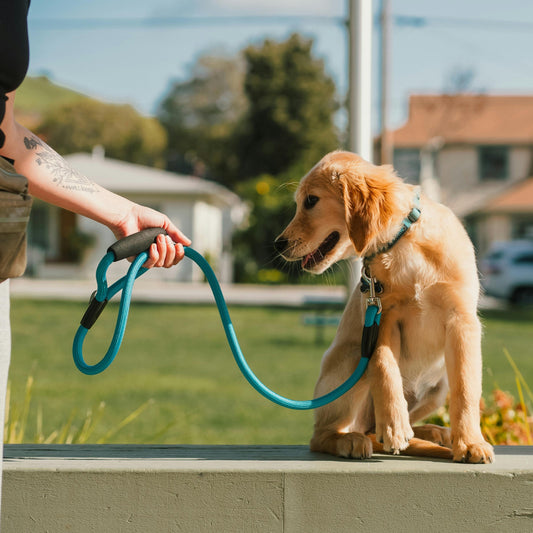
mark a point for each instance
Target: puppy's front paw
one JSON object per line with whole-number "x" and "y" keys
{"x": 480, "y": 452}
{"x": 395, "y": 435}
{"x": 355, "y": 445}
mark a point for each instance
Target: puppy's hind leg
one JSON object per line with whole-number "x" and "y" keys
{"x": 434, "y": 398}
{"x": 351, "y": 445}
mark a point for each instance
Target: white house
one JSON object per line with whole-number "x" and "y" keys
{"x": 62, "y": 244}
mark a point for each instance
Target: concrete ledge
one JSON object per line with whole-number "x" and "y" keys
{"x": 153, "y": 489}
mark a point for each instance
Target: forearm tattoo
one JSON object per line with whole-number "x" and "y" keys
{"x": 64, "y": 176}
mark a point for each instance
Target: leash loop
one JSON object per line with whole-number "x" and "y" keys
{"x": 125, "y": 284}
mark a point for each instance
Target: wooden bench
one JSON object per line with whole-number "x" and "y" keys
{"x": 324, "y": 313}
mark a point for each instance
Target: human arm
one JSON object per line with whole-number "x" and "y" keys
{"x": 53, "y": 180}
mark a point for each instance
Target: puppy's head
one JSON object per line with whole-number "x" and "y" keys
{"x": 342, "y": 205}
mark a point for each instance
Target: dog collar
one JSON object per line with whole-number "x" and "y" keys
{"x": 407, "y": 222}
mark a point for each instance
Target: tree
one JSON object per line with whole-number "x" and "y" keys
{"x": 270, "y": 203}
{"x": 200, "y": 115}
{"x": 288, "y": 127}
{"x": 253, "y": 122}
{"x": 290, "y": 117}
{"x": 125, "y": 135}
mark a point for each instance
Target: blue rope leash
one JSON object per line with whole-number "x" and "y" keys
{"x": 104, "y": 293}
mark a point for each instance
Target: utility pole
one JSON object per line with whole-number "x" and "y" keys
{"x": 360, "y": 78}
{"x": 359, "y": 96}
{"x": 386, "y": 144}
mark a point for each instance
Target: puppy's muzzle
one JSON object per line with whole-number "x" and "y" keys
{"x": 281, "y": 244}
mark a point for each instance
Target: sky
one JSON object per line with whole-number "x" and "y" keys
{"x": 106, "y": 49}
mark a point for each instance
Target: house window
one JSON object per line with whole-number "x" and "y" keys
{"x": 493, "y": 163}
{"x": 406, "y": 162}
{"x": 523, "y": 227}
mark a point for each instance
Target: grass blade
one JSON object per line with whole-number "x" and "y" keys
{"x": 518, "y": 373}
{"x": 522, "y": 403}
{"x": 130, "y": 418}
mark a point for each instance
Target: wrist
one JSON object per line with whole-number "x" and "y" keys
{"x": 118, "y": 217}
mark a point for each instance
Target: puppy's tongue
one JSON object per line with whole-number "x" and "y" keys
{"x": 309, "y": 258}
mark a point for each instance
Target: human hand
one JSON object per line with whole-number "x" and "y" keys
{"x": 168, "y": 249}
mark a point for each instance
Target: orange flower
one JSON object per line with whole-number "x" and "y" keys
{"x": 502, "y": 399}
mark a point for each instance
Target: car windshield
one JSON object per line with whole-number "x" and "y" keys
{"x": 524, "y": 259}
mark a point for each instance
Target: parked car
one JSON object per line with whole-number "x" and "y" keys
{"x": 507, "y": 271}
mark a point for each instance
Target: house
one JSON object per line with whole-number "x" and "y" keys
{"x": 474, "y": 152}
{"x": 65, "y": 245}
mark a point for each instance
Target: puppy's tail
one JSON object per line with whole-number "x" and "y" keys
{"x": 417, "y": 448}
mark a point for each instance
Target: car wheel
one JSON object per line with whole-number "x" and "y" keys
{"x": 523, "y": 296}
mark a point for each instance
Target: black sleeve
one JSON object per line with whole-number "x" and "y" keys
{"x": 14, "y": 49}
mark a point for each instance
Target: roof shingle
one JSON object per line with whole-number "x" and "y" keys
{"x": 467, "y": 118}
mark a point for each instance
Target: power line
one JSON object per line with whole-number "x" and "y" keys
{"x": 148, "y": 22}
{"x": 399, "y": 20}
{"x": 421, "y": 22}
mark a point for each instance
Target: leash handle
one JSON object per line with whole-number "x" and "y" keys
{"x": 136, "y": 243}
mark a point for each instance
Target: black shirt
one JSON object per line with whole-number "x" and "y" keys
{"x": 14, "y": 49}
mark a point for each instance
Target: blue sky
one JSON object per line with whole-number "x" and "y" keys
{"x": 135, "y": 64}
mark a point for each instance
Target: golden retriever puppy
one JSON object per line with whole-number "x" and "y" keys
{"x": 430, "y": 336}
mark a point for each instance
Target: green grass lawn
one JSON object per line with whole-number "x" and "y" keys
{"x": 178, "y": 356}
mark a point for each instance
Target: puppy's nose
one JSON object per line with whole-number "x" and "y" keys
{"x": 280, "y": 244}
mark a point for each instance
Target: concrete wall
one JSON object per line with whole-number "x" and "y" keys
{"x": 162, "y": 489}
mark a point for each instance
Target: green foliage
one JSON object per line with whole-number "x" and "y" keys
{"x": 78, "y": 242}
{"x": 38, "y": 94}
{"x": 72, "y": 431}
{"x": 262, "y": 112}
{"x": 126, "y": 135}
{"x": 270, "y": 204}
{"x": 291, "y": 108}
{"x": 287, "y": 128}
{"x": 200, "y": 115}
{"x": 503, "y": 419}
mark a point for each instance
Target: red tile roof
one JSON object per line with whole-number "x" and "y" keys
{"x": 517, "y": 199}
{"x": 467, "y": 118}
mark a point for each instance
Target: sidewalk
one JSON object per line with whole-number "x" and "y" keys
{"x": 154, "y": 291}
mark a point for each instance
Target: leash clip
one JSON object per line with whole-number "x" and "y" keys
{"x": 373, "y": 286}
{"x": 375, "y": 302}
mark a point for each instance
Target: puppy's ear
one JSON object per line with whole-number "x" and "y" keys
{"x": 367, "y": 202}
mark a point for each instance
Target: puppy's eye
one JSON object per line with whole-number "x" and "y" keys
{"x": 311, "y": 201}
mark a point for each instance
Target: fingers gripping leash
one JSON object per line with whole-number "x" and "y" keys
{"x": 138, "y": 245}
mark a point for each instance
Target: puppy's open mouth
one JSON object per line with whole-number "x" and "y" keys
{"x": 312, "y": 259}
